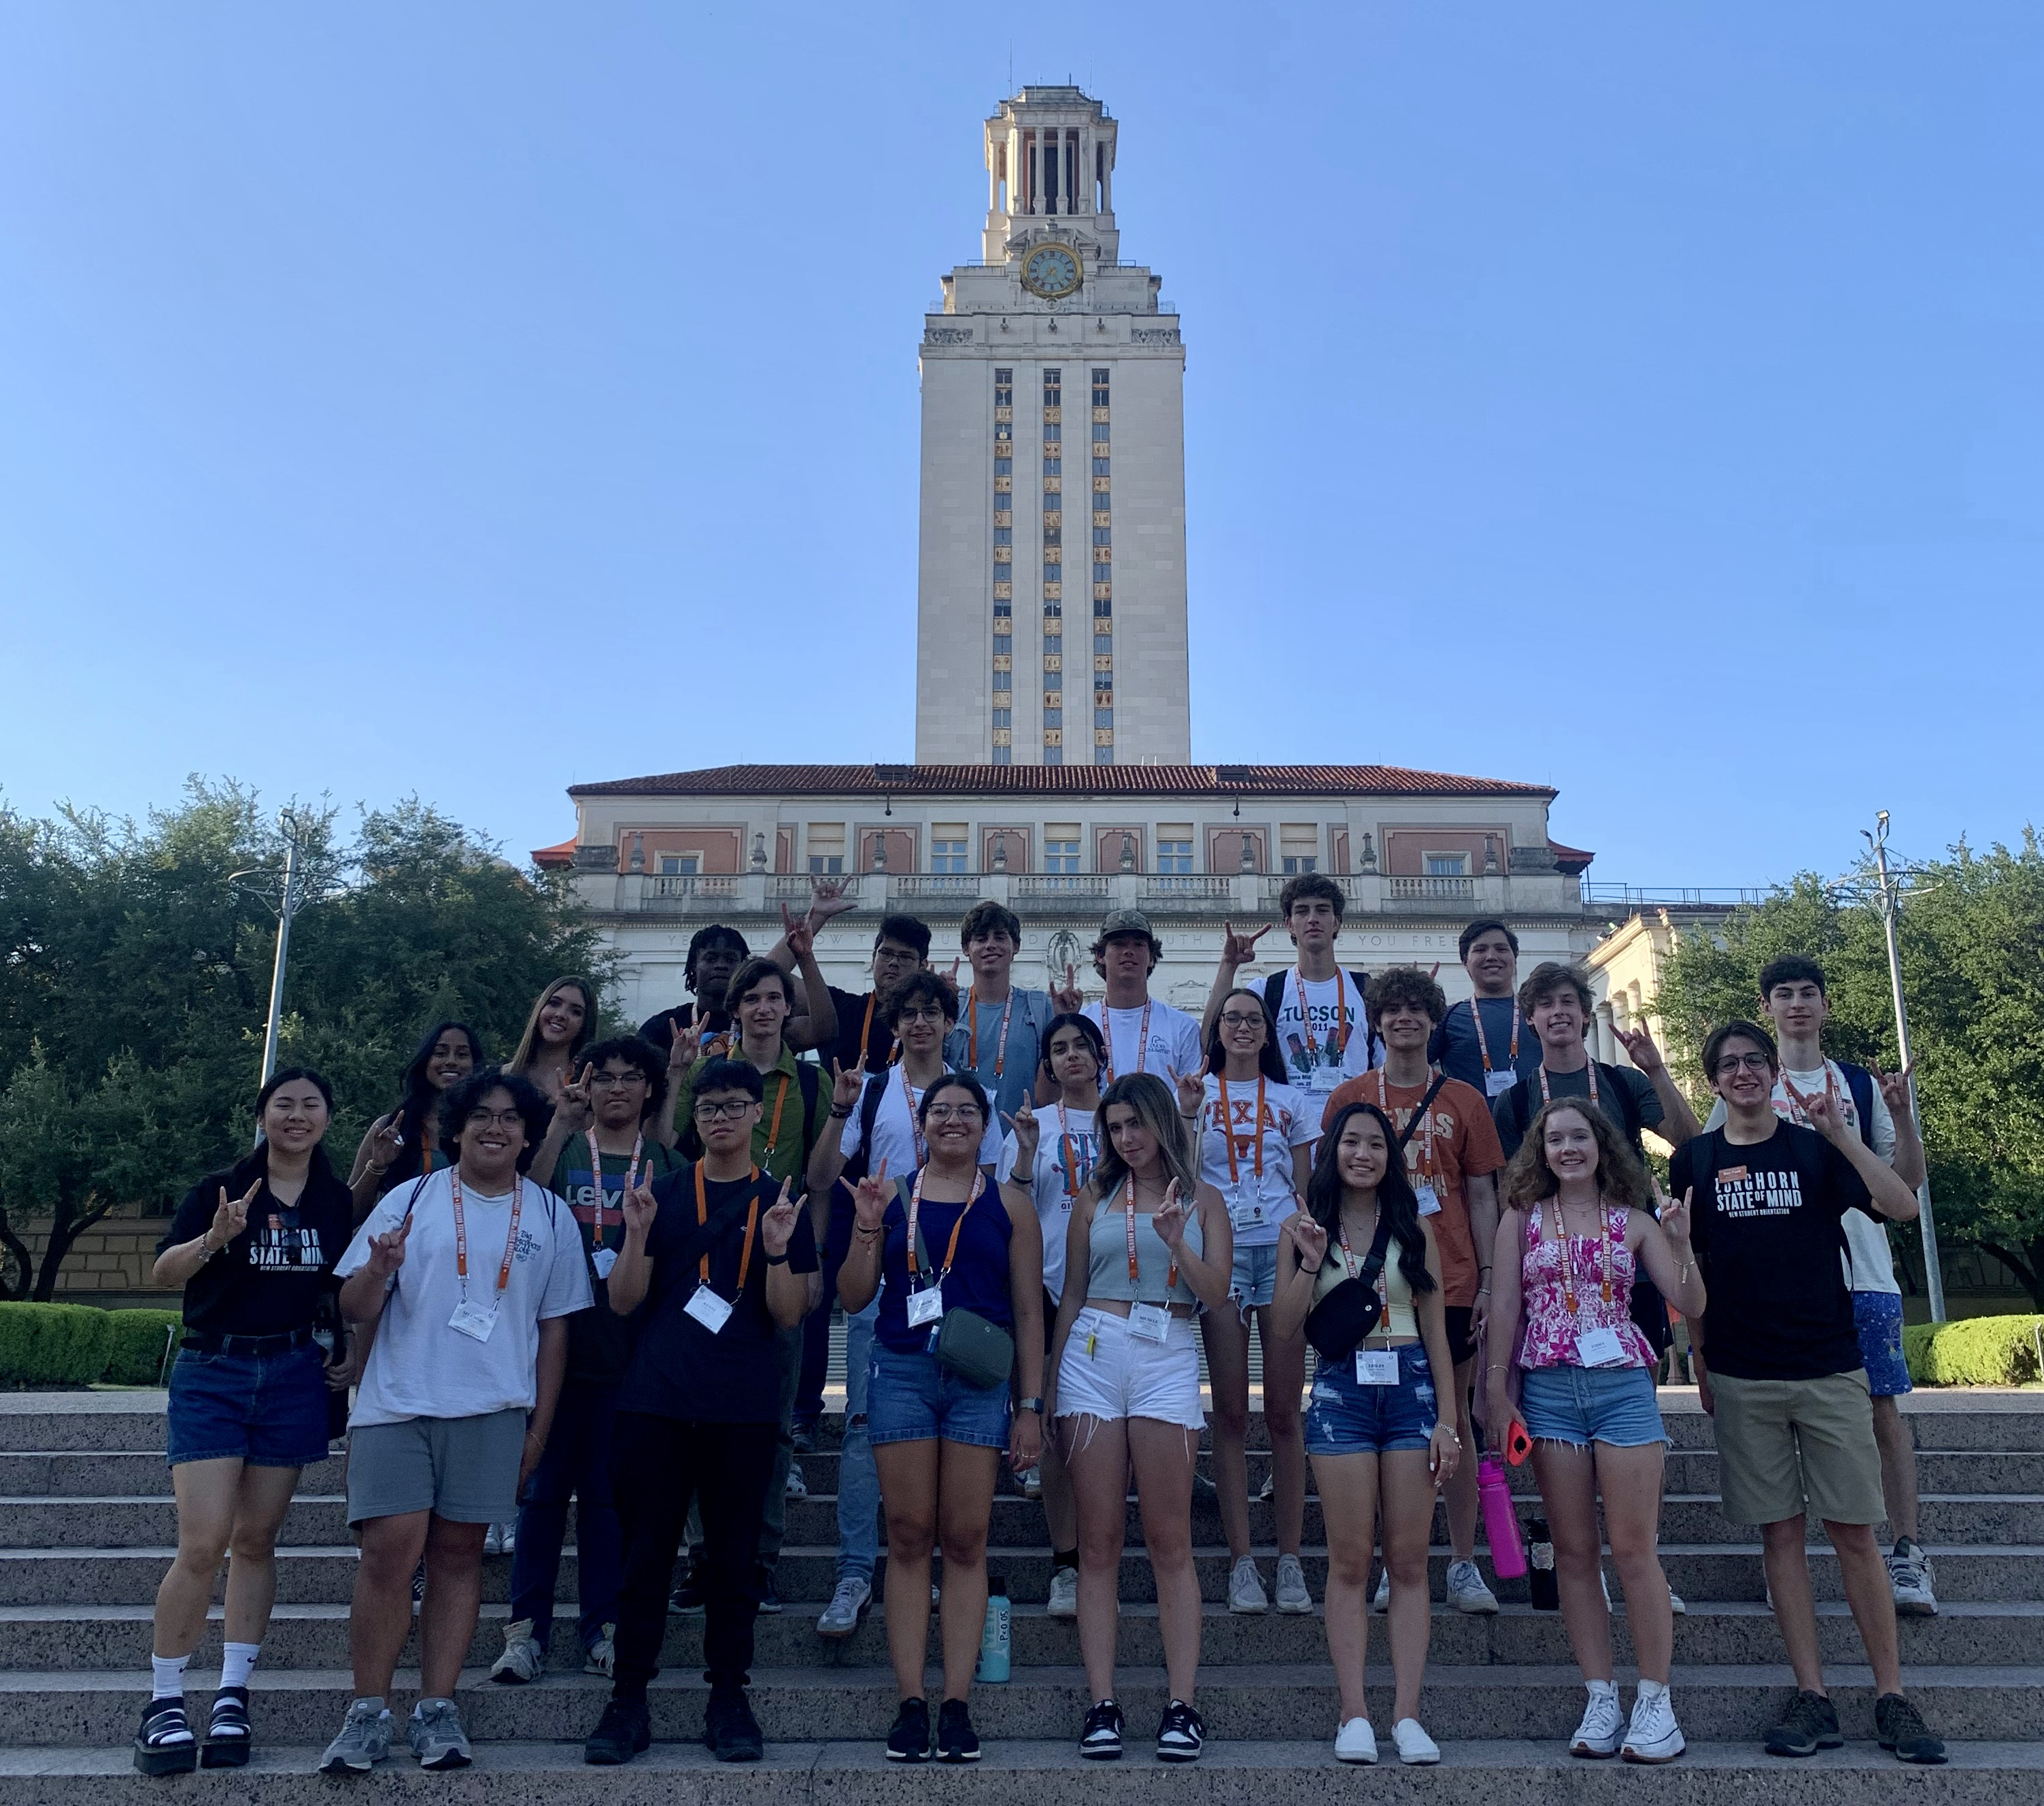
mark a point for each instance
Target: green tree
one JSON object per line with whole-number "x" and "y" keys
{"x": 1972, "y": 942}
{"x": 135, "y": 965}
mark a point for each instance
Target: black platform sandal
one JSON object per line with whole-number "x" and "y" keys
{"x": 165, "y": 1744}
{"x": 227, "y": 1734}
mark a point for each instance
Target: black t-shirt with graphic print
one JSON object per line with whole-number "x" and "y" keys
{"x": 1767, "y": 1222}
{"x": 268, "y": 1280}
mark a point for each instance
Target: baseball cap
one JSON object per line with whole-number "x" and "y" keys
{"x": 1127, "y": 922}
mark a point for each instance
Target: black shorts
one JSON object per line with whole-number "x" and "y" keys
{"x": 1462, "y": 1343}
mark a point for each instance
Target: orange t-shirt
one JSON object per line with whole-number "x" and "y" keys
{"x": 1464, "y": 1143}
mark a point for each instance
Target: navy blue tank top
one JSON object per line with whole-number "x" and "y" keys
{"x": 979, "y": 1279}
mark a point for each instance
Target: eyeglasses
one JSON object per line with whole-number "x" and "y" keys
{"x": 730, "y": 1112}
{"x": 919, "y": 1015}
{"x": 1753, "y": 1062}
{"x": 1238, "y": 1018}
{"x": 495, "y": 1119}
{"x": 607, "y": 1081}
{"x": 950, "y": 1112}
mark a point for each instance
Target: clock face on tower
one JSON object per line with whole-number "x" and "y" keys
{"x": 1052, "y": 271}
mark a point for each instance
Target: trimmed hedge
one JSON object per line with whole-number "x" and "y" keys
{"x": 144, "y": 1341}
{"x": 54, "y": 1345}
{"x": 1973, "y": 1351}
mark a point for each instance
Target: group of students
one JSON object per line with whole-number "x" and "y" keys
{"x": 1029, "y": 1208}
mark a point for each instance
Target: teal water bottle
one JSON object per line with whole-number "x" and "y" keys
{"x": 993, "y": 1638}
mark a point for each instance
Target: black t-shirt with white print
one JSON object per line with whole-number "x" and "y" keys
{"x": 268, "y": 1280}
{"x": 1768, "y": 1224}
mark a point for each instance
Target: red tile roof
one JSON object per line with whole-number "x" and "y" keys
{"x": 561, "y": 854}
{"x": 1059, "y": 780}
{"x": 1573, "y": 860}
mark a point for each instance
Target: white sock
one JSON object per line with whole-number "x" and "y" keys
{"x": 236, "y": 1661}
{"x": 169, "y": 1676}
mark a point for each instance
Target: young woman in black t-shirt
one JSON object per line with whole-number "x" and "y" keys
{"x": 399, "y": 1145}
{"x": 253, "y": 1248}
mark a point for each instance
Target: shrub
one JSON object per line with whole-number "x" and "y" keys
{"x": 142, "y": 1342}
{"x": 1973, "y": 1351}
{"x": 53, "y": 1345}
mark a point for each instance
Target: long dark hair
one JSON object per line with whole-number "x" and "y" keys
{"x": 1269, "y": 1061}
{"x": 1394, "y": 1193}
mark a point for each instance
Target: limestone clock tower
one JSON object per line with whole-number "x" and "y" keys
{"x": 1052, "y": 587}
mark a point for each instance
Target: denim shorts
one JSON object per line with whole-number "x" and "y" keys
{"x": 1581, "y": 1405}
{"x": 269, "y": 1410}
{"x": 1346, "y": 1417}
{"x": 1877, "y": 1316}
{"x": 910, "y": 1399}
{"x": 1255, "y": 1280}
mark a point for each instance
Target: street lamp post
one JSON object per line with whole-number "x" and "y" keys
{"x": 286, "y": 908}
{"x": 1934, "y": 1275}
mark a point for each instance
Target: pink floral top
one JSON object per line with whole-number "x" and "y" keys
{"x": 1551, "y": 1330}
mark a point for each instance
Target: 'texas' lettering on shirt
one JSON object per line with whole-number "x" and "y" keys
{"x": 1743, "y": 1193}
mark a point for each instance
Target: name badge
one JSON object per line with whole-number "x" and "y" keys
{"x": 925, "y": 1306}
{"x": 473, "y": 1320}
{"x": 1376, "y": 1366}
{"x": 1149, "y": 1322}
{"x": 1324, "y": 1078}
{"x": 707, "y": 1309}
{"x": 1427, "y": 1199}
{"x": 1496, "y": 1084}
{"x": 1599, "y": 1348}
{"x": 1245, "y": 1210}
{"x": 603, "y": 1260}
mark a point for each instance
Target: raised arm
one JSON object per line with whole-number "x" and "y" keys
{"x": 1885, "y": 1187}
{"x": 1678, "y": 1122}
{"x": 858, "y": 1278}
{"x": 827, "y": 1158}
{"x": 1236, "y": 951}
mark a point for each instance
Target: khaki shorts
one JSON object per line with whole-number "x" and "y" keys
{"x": 464, "y": 1469}
{"x": 1781, "y": 1441}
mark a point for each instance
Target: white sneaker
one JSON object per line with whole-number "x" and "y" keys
{"x": 1909, "y": 1577}
{"x": 1293, "y": 1596}
{"x": 1064, "y": 1601}
{"x": 1598, "y": 1734}
{"x": 1032, "y": 1483}
{"x": 601, "y": 1658}
{"x": 1355, "y": 1742}
{"x": 1604, "y": 1581}
{"x": 523, "y": 1658}
{"x": 507, "y": 1538}
{"x": 1654, "y": 1736}
{"x": 1466, "y": 1592}
{"x": 849, "y": 1604}
{"x": 1415, "y": 1748}
{"x": 1245, "y": 1588}
{"x": 492, "y": 1540}
{"x": 798, "y": 1488}
{"x": 1381, "y": 1599}
{"x": 1675, "y": 1604}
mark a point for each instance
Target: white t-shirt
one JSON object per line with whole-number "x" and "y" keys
{"x": 1291, "y": 1120}
{"x": 1053, "y": 1186}
{"x": 419, "y": 1365}
{"x": 1173, "y": 1046}
{"x": 1311, "y": 1058}
{"x": 894, "y": 1131}
{"x": 1871, "y": 1264}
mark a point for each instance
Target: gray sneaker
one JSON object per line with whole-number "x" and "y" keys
{"x": 434, "y": 1731}
{"x": 364, "y": 1740}
{"x": 849, "y": 1604}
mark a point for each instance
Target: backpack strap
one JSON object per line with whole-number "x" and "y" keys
{"x": 809, "y": 1077}
{"x": 1419, "y": 1113}
{"x": 1273, "y": 991}
{"x": 1613, "y": 1081}
{"x": 1859, "y": 1082}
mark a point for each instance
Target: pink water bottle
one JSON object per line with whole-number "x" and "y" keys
{"x": 1501, "y": 1522}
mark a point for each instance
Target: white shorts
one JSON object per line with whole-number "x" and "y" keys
{"x": 1108, "y": 1373}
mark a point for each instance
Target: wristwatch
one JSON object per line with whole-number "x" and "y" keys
{"x": 1035, "y": 1404}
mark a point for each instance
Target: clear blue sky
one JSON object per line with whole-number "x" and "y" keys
{"x": 476, "y": 398}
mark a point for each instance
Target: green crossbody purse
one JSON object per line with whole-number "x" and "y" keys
{"x": 977, "y": 1349}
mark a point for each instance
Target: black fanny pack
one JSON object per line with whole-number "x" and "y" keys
{"x": 1338, "y": 1324}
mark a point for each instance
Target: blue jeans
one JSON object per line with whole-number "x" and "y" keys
{"x": 576, "y": 1465}
{"x": 857, "y": 1476}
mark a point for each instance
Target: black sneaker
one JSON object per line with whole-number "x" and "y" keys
{"x": 1101, "y": 1738}
{"x": 687, "y": 1599}
{"x": 1181, "y": 1734}
{"x": 1810, "y": 1724}
{"x": 1900, "y": 1727}
{"x": 730, "y": 1730}
{"x": 762, "y": 1590}
{"x": 909, "y": 1739}
{"x": 165, "y": 1745}
{"x": 956, "y": 1741}
{"x": 805, "y": 1439}
{"x": 228, "y": 1738}
{"x": 624, "y": 1730}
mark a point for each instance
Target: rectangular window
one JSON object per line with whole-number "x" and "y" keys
{"x": 1004, "y": 717}
{"x": 1003, "y": 466}
{"x": 1003, "y": 680}
{"x": 1053, "y": 652}
{"x": 1004, "y": 536}
{"x": 1061, "y": 854}
{"x": 1447, "y": 865}
{"x": 1103, "y": 643}
{"x": 1099, "y": 438}
{"x": 1003, "y": 611}
{"x": 1300, "y": 862}
{"x": 946, "y": 855}
{"x": 1003, "y": 642}
{"x": 1054, "y": 717}
{"x": 1099, "y": 388}
{"x": 1175, "y": 856}
{"x": 1053, "y": 467}
{"x": 1004, "y": 753}
{"x": 827, "y": 865}
{"x": 1004, "y": 388}
{"x": 1299, "y": 845}
{"x": 1103, "y": 717}
{"x": 680, "y": 864}
{"x": 1102, "y": 608}
{"x": 1100, "y": 466}
{"x": 1053, "y": 387}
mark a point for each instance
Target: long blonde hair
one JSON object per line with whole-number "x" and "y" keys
{"x": 528, "y": 1043}
{"x": 1151, "y": 1098}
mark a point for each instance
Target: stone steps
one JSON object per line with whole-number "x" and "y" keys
{"x": 1260, "y": 1702}
{"x": 76, "y": 1638}
{"x": 1020, "y": 1773}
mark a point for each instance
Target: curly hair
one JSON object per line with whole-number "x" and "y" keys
{"x": 922, "y": 987}
{"x": 459, "y": 1099}
{"x": 1620, "y": 1177}
{"x": 1406, "y": 983}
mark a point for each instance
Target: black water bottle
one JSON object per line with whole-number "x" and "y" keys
{"x": 1540, "y": 1587}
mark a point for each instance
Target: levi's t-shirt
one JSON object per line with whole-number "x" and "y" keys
{"x": 1767, "y": 1223}
{"x": 599, "y": 1344}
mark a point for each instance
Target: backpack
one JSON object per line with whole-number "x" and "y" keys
{"x": 808, "y": 1082}
{"x": 1859, "y": 1082}
{"x": 1274, "y": 997}
{"x": 857, "y": 1167}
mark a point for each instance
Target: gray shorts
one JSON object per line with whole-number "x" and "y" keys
{"x": 463, "y": 1468}
{"x": 1781, "y": 1442}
